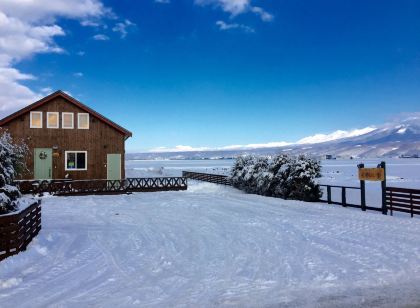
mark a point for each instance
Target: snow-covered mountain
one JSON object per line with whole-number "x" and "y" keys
{"x": 390, "y": 140}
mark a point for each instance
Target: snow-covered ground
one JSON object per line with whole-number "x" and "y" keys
{"x": 400, "y": 173}
{"x": 213, "y": 246}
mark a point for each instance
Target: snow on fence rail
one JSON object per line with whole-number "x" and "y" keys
{"x": 88, "y": 187}
{"x": 403, "y": 200}
{"x": 206, "y": 177}
{"x": 18, "y": 229}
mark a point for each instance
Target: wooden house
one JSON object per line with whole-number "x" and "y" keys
{"x": 67, "y": 139}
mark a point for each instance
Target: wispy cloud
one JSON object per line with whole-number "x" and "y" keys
{"x": 237, "y": 7}
{"x": 163, "y": 1}
{"x": 122, "y": 27}
{"x": 223, "y": 26}
{"x": 317, "y": 138}
{"x": 264, "y": 15}
{"x": 78, "y": 74}
{"x": 100, "y": 37}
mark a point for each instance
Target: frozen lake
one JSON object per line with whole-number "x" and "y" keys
{"x": 400, "y": 173}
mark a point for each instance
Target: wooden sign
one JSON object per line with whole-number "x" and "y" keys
{"x": 371, "y": 174}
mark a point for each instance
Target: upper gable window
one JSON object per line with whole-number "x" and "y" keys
{"x": 36, "y": 119}
{"x": 83, "y": 120}
{"x": 67, "y": 121}
{"x": 52, "y": 120}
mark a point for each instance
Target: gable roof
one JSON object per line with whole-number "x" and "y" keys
{"x": 70, "y": 99}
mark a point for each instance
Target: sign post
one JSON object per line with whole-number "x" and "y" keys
{"x": 382, "y": 165}
{"x": 362, "y": 190}
{"x": 373, "y": 174}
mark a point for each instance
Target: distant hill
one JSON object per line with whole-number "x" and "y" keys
{"x": 390, "y": 140}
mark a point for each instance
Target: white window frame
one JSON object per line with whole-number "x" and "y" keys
{"x": 58, "y": 120}
{"x": 62, "y": 120}
{"x": 78, "y": 120}
{"x": 75, "y": 152}
{"x": 30, "y": 119}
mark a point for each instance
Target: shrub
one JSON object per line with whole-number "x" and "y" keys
{"x": 284, "y": 176}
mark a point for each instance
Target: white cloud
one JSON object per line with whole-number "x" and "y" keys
{"x": 163, "y": 1}
{"x": 81, "y": 53}
{"x": 14, "y": 95}
{"x": 46, "y": 90}
{"x": 264, "y": 15}
{"x": 122, "y": 27}
{"x": 237, "y": 7}
{"x": 47, "y": 11}
{"x": 78, "y": 74}
{"x": 27, "y": 28}
{"x": 100, "y": 37}
{"x": 318, "y": 138}
{"x": 19, "y": 39}
{"x": 223, "y": 26}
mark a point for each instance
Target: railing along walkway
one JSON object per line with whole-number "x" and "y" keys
{"x": 89, "y": 187}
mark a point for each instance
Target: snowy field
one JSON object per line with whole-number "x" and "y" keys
{"x": 400, "y": 173}
{"x": 212, "y": 246}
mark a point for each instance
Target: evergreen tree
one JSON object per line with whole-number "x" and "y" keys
{"x": 12, "y": 163}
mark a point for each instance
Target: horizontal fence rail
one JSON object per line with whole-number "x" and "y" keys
{"x": 18, "y": 229}
{"x": 207, "y": 177}
{"x": 403, "y": 200}
{"x": 89, "y": 187}
{"x": 343, "y": 202}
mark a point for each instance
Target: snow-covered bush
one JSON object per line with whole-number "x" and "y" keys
{"x": 240, "y": 171}
{"x": 284, "y": 176}
{"x": 12, "y": 163}
{"x": 296, "y": 178}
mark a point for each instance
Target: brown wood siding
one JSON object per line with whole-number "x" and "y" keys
{"x": 99, "y": 140}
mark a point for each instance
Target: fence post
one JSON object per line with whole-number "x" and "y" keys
{"x": 329, "y": 194}
{"x": 343, "y": 196}
{"x": 412, "y": 205}
{"x": 362, "y": 191}
{"x": 383, "y": 185}
{"x": 390, "y": 203}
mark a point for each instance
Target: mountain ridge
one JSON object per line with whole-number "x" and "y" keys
{"x": 394, "y": 139}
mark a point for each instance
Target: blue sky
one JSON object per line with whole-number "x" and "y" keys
{"x": 212, "y": 73}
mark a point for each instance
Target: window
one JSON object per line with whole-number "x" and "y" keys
{"x": 76, "y": 160}
{"x": 52, "y": 120}
{"x": 83, "y": 120}
{"x": 67, "y": 121}
{"x": 36, "y": 119}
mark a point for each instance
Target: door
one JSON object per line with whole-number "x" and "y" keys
{"x": 42, "y": 164}
{"x": 113, "y": 166}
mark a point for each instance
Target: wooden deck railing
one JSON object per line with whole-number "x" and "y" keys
{"x": 206, "y": 177}
{"x": 403, "y": 200}
{"x": 88, "y": 187}
{"x": 18, "y": 229}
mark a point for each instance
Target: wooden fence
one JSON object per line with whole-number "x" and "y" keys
{"x": 206, "y": 177}
{"x": 89, "y": 187}
{"x": 403, "y": 200}
{"x": 343, "y": 200}
{"x": 18, "y": 229}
